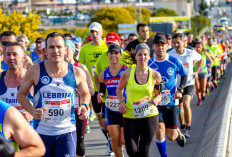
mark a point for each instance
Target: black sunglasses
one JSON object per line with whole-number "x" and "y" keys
{"x": 6, "y": 43}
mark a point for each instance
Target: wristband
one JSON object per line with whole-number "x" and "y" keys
{"x": 85, "y": 105}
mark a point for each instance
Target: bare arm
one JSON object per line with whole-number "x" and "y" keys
{"x": 23, "y": 133}
{"x": 83, "y": 91}
{"x": 32, "y": 76}
{"x": 28, "y": 62}
{"x": 122, "y": 83}
{"x": 199, "y": 63}
{"x": 157, "y": 79}
{"x": 88, "y": 78}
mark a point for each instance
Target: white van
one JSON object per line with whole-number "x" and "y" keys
{"x": 224, "y": 21}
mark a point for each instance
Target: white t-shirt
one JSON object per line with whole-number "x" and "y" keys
{"x": 187, "y": 58}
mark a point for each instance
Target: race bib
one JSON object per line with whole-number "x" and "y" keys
{"x": 112, "y": 103}
{"x": 165, "y": 97}
{"x": 57, "y": 111}
{"x": 142, "y": 108}
{"x": 93, "y": 68}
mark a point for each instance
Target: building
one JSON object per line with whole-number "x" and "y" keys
{"x": 181, "y": 7}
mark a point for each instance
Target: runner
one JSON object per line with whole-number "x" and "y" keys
{"x": 6, "y": 38}
{"x": 107, "y": 81}
{"x": 169, "y": 67}
{"x": 224, "y": 58}
{"x": 144, "y": 37}
{"x": 23, "y": 40}
{"x": 131, "y": 37}
{"x": 11, "y": 79}
{"x": 101, "y": 64}
{"x": 88, "y": 55}
{"x": 80, "y": 124}
{"x": 215, "y": 67}
{"x": 201, "y": 80}
{"x": 54, "y": 82}
{"x": 169, "y": 40}
{"x": 140, "y": 114}
{"x": 37, "y": 53}
{"x": 43, "y": 52}
{"x": 16, "y": 130}
{"x": 187, "y": 57}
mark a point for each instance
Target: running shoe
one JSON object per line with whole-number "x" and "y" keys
{"x": 181, "y": 140}
{"x": 207, "y": 92}
{"x": 87, "y": 130}
{"x": 187, "y": 133}
{"x": 203, "y": 96}
{"x": 215, "y": 84}
{"x": 199, "y": 103}
{"x": 109, "y": 151}
{"x": 212, "y": 89}
{"x": 92, "y": 116}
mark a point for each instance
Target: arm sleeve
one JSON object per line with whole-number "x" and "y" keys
{"x": 102, "y": 88}
{"x": 183, "y": 81}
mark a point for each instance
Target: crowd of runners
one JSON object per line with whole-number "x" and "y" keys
{"x": 139, "y": 88}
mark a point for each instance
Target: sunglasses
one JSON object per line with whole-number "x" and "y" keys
{"x": 5, "y": 43}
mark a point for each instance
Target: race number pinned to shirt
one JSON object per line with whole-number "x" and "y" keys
{"x": 142, "y": 108}
{"x": 165, "y": 97}
{"x": 76, "y": 101}
{"x": 57, "y": 111}
{"x": 112, "y": 103}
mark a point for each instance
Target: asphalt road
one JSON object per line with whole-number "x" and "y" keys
{"x": 204, "y": 129}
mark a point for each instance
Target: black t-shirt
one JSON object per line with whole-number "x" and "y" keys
{"x": 131, "y": 46}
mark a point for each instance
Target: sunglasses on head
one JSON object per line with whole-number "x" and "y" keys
{"x": 5, "y": 43}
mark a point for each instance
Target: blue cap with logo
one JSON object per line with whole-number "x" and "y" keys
{"x": 77, "y": 40}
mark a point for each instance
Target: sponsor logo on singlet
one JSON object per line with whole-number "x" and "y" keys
{"x": 10, "y": 101}
{"x": 45, "y": 79}
{"x": 55, "y": 95}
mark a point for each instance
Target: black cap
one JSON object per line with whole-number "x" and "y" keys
{"x": 160, "y": 38}
{"x": 114, "y": 47}
{"x": 40, "y": 40}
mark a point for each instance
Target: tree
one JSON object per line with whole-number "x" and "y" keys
{"x": 20, "y": 24}
{"x": 202, "y": 7}
{"x": 164, "y": 12}
{"x": 110, "y": 17}
{"x": 198, "y": 23}
{"x": 146, "y": 13}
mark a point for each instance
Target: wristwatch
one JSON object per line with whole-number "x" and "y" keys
{"x": 85, "y": 105}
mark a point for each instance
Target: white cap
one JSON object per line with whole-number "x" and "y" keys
{"x": 95, "y": 26}
{"x": 43, "y": 45}
{"x": 33, "y": 45}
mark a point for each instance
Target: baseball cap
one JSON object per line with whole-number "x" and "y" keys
{"x": 43, "y": 45}
{"x": 142, "y": 46}
{"x": 77, "y": 40}
{"x": 160, "y": 38}
{"x": 114, "y": 47}
{"x": 95, "y": 26}
{"x": 112, "y": 37}
{"x": 40, "y": 40}
{"x": 70, "y": 44}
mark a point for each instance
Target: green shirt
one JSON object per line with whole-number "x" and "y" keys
{"x": 89, "y": 55}
{"x": 216, "y": 51}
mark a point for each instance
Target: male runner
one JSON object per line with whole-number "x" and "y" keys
{"x": 11, "y": 79}
{"x": 38, "y": 52}
{"x": 55, "y": 82}
{"x": 187, "y": 57}
{"x": 168, "y": 66}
